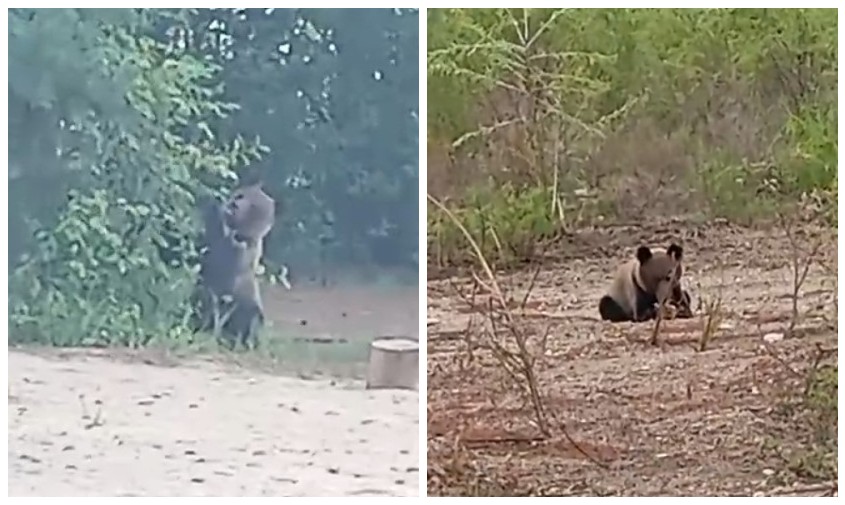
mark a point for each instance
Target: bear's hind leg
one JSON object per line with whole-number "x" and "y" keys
{"x": 611, "y": 311}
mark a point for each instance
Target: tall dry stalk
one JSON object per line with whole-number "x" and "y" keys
{"x": 801, "y": 258}
{"x": 504, "y": 326}
{"x": 519, "y": 364}
{"x": 713, "y": 313}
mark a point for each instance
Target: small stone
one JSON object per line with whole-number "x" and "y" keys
{"x": 771, "y": 338}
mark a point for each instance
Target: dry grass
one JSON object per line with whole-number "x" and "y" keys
{"x": 727, "y": 119}
{"x": 644, "y": 412}
{"x": 503, "y": 329}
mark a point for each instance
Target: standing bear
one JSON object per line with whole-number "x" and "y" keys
{"x": 229, "y": 300}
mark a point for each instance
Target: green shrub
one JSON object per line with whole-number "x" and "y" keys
{"x": 507, "y": 222}
{"x": 104, "y": 253}
{"x": 736, "y": 108}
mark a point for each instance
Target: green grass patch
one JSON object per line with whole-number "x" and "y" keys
{"x": 507, "y": 222}
{"x": 283, "y": 353}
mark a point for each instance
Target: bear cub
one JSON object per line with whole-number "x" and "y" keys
{"x": 642, "y": 284}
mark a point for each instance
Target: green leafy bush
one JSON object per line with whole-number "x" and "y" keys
{"x": 735, "y": 108}
{"x": 105, "y": 251}
{"x": 507, "y": 223}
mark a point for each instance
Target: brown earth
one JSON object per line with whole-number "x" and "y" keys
{"x": 665, "y": 420}
{"x": 353, "y": 311}
{"x": 109, "y": 422}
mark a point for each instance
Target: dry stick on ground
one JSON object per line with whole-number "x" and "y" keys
{"x": 520, "y": 364}
{"x": 661, "y": 314}
{"x": 504, "y": 357}
{"x": 809, "y": 376}
{"x": 657, "y": 321}
{"x": 713, "y": 310}
{"x": 542, "y": 347}
{"x": 711, "y": 323}
{"x": 829, "y": 487}
{"x": 799, "y": 270}
{"x": 468, "y": 341}
{"x": 523, "y": 360}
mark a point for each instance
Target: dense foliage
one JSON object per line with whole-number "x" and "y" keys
{"x": 336, "y": 102}
{"x": 120, "y": 120}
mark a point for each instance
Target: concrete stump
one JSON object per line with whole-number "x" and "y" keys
{"x": 394, "y": 363}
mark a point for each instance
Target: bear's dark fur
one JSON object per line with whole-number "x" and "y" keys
{"x": 641, "y": 284}
{"x": 228, "y": 297}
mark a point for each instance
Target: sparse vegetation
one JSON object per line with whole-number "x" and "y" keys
{"x": 808, "y": 406}
{"x": 559, "y": 140}
{"x": 803, "y": 216}
{"x": 505, "y": 336}
{"x": 713, "y": 316}
{"x": 545, "y": 117}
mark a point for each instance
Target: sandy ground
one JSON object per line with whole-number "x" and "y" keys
{"x": 109, "y": 423}
{"x": 359, "y": 313}
{"x": 666, "y": 420}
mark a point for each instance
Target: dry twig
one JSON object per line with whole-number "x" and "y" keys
{"x": 519, "y": 365}
{"x": 801, "y": 261}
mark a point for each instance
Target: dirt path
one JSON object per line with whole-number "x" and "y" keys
{"x": 665, "y": 421}
{"x": 353, "y": 311}
{"x": 105, "y": 423}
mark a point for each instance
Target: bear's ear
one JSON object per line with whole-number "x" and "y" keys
{"x": 675, "y": 251}
{"x": 643, "y": 253}
{"x": 251, "y": 177}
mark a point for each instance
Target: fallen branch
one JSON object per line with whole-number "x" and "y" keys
{"x": 831, "y": 487}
